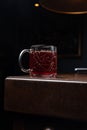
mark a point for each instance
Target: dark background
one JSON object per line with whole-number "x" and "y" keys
{"x": 22, "y": 24}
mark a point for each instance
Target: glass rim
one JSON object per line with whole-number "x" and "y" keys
{"x": 42, "y": 45}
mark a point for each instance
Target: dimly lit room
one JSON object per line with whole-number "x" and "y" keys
{"x": 43, "y": 68}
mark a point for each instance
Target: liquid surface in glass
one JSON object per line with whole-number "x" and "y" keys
{"x": 43, "y": 62}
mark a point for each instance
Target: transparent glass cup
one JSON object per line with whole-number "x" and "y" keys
{"x": 42, "y": 61}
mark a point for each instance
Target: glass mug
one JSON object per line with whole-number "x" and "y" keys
{"x": 42, "y": 61}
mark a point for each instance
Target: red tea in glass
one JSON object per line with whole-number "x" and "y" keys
{"x": 42, "y": 61}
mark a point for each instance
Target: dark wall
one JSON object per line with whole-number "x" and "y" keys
{"x": 68, "y": 64}
{"x": 21, "y": 25}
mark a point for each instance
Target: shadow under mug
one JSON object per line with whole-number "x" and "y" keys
{"x": 42, "y": 61}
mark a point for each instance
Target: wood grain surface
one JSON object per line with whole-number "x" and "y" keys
{"x": 65, "y": 96}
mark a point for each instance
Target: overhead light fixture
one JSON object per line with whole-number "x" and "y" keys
{"x": 65, "y": 6}
{"x": 36, "y": 4}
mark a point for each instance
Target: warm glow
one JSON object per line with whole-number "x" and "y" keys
{"x": 36, "y": 5}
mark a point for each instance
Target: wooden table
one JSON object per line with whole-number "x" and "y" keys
{"x": 63, "y": 97}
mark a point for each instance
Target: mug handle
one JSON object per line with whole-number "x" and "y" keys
{"x": 20, "y": 60}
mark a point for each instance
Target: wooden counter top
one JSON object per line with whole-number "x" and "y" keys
{"x": 60, "y": 78}
{"x": 64, "y": 96}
